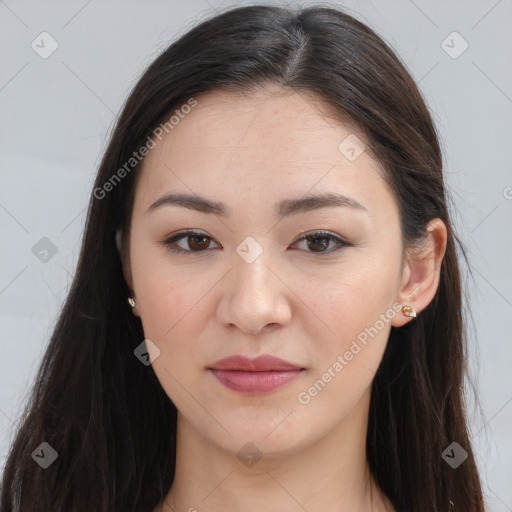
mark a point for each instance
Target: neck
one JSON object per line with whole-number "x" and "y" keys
{"x": 331, "y": 474}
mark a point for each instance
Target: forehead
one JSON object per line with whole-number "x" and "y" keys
{"x": 287, "y": 124}
{"x": 266, "y": 144}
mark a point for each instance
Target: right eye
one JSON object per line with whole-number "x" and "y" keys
{"x": 197, "y": 241}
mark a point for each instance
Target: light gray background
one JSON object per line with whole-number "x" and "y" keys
{"x": 56, "y": 114}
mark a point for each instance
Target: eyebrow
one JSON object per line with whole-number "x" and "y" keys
{"x": 285, "y": 208}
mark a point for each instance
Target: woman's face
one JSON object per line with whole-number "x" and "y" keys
{"x": 248, "y": 284}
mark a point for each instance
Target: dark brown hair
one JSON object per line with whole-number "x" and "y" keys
{"x": 107, "y": 415}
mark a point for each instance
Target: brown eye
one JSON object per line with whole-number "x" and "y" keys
{"x": 318, "y": 242}
{"x": 196, "y": 242}
{"x": 199, "y": 242}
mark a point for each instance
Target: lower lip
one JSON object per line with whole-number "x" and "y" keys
{"x": 255, "y": 382}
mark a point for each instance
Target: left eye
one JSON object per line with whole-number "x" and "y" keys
{"x": 321, "y": 240}
{"x": 198, "y": 242}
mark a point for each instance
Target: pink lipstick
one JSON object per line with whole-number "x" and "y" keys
{"x": 262, "y": 374}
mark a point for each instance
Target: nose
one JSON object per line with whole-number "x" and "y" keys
{"x": 255, "y": 297}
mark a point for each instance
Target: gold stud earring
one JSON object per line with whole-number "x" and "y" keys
{"x": 131, "y": 301}
{"x": 408, "y": 311}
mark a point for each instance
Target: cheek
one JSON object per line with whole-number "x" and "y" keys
{"x": 161, "y": 293}
{"x": 345, "y": 362}
{"x": 173, "y": 303}
{"x": 356, "y": 313}
{"x": 169, "y": 307}
{"x": 353, "y": 297}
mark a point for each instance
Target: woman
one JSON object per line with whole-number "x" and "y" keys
{"x": 266, "y": 313}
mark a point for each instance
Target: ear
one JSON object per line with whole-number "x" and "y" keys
{"x": 125, "y": 263}
{"x": 422, "y": 271}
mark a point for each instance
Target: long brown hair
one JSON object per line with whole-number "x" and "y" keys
{"x": 106, "y": 414}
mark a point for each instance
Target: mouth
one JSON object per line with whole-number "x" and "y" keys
{"x": 255, "y": 376}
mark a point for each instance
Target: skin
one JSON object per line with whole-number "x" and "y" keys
{"x": 252, "y": 151}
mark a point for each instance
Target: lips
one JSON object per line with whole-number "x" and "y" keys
{"x": 255, "y": 376}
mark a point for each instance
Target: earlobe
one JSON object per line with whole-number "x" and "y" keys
{"x": 421, "y": 272}
{"x": 132, "y": 303}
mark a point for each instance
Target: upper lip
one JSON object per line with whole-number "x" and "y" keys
{"x": 258, "y": 364}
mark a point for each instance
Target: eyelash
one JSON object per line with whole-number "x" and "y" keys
{"x": 315, "y": 234}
